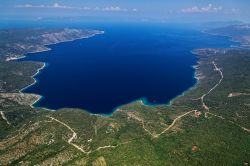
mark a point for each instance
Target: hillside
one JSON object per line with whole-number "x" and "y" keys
{"x": 208, "y": 125}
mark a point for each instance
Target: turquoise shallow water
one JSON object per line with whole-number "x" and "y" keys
{"x": 127, "y": 63}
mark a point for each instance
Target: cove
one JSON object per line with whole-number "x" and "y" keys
{"x": 127, "y": 63}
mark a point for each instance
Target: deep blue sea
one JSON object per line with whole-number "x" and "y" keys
{"x": 127, "y": 63}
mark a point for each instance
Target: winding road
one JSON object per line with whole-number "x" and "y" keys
{"x": 166, "y": 129}
{"x": 4, "y": 117}
{"x": 174, "y": 122}
{"x": 213, "y": 88}
{"x": 74, "y": 136}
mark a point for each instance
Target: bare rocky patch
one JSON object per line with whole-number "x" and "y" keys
{"x": 100, "y": 162}
{"x": 21, "y": 98}
{"x": 236, "y": 94}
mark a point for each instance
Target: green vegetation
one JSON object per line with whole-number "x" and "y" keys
{"x": 21, "y": 72}
{"x": 209, "y": 125}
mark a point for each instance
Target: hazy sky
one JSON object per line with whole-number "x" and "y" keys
{"x": 140, "y": 10}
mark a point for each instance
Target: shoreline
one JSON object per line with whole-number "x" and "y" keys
{"x": 142, "y": 100}
{"x": 195, "y": 74}
{"x": 46, "y": 48}
{"x": 197, "y": 78}
{"x": 230, "y": 38}
{"x": 39, "y": 97}
{"x": 45, "y": 64}
{"x": 78, "y": 38}
{"x": 33, "y": 77}
{"x": 145, "y": 102}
